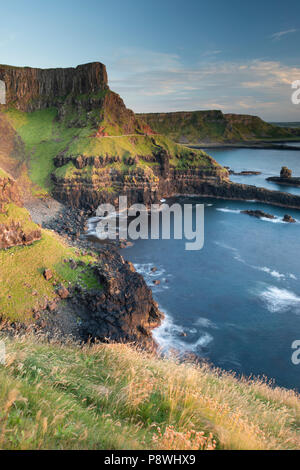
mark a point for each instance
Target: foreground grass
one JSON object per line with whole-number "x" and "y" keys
{"x": 55, "y": 396}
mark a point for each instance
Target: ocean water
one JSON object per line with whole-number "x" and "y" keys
{"x": 236, "y": 302}
{"x": 268, "y": 162}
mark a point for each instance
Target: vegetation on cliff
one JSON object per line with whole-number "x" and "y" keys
{"x": 197, "y": 127}
{"x": 23, "y": 285}
{"x": 72, "y": 112}
{"x": 112, "y": 396}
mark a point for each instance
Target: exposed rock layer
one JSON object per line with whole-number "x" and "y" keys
{"x": 31, "y": 88}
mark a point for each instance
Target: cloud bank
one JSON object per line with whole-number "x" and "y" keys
{"x": 156, "y": 82}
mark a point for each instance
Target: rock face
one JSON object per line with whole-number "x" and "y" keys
{"x": 9, "y": 191}
{"x": 124, "y": 310}
{"x": 81, "y": 96}
{"x": 139, "y": 185}
{"x": 30, "y": 88}
{"x": 14, "y": 235}
{"x": 14, "y": 232}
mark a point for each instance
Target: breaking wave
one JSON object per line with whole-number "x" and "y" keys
{"x": 280, "y": 300}
{"x": 168, "y": 334}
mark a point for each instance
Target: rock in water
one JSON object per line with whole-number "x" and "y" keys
{"x": 288, "y": 218}
{"x": 258, "y": 213}
{"x": 285, "y": 172}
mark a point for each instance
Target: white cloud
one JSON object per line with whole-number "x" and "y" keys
{"x": 150, "y": 81}
{"x": 277, "y": 36}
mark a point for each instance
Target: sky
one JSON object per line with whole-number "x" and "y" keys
{"x": 168, "y": 55}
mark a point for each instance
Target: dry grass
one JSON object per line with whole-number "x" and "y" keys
{"x": 55, "y": 396}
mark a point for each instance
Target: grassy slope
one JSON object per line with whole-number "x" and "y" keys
{"x": 21, "y": 276}
{"x": 45, "y": 137}
{"x": 198, "y": 126}
{"x": 13, "y": 213}
{"x": 114, "y": 397}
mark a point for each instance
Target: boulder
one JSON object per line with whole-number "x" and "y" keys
{"x": 288, "y": 218}
{"x": 48, "y": 274}
{"x": 63, "y": 292}
{"x": 285, "y": 172}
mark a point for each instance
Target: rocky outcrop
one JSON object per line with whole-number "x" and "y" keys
{"x": 244, "y": 192}
{"x": 14, "y": 231}
{"x": 288, "y": 218}
{"x": 285, "y": 172}
{"x": 81, "y": 96}
{"x": 140, "y": 185}
{"x": 31, "y": 88}
{"x": 14, "y": 234}
{"x": 9, "y": 191}
{"x": 124, "y": 310}
{"x": 285, "y": 178}
{"x": 259, "y": 214}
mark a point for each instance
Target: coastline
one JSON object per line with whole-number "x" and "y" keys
{"x": 270, "y": 145}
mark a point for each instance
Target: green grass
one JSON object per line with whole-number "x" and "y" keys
{"x": 3, "y": 174}
{"x": 63, "y": 396}
{"x": 23, "y": 286}
{"x": 214, "y": 126}
{"x": 13, "y": 213}
{"x": 45, "y": 137}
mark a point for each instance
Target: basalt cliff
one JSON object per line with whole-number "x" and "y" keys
{"x": 79, "y": 142}
{"x": 64, "y": 132}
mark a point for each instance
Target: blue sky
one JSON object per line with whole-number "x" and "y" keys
{"x": 168, "y": 55}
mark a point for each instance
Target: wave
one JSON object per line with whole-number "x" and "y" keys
{"x": 167, "y": 336}
{"x": 271, "y": 272}
{"x": 225, "y": 209}
{"x": 204, "y": 323}
{"x": 280, "y": 300}
{"x": 159, "y": 274}
{"x": 277, "y": 219}
{"x": 265, "y": 269}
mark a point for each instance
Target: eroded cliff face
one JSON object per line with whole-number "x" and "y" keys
{"x": 124, "y": 310}
{"x": 96, "y": 180}
{"x": 31, "y": 88}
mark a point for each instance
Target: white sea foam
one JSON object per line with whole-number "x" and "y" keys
{"x": 225, "y": 209}
{"x": 167, "y": 336}
{"x": 280, "y": 300}
{"x": 205, "y": 323}
{"x": 160, "y": 274}
{"x": 277, "y": 220}
{"x": 272, "y": 272}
